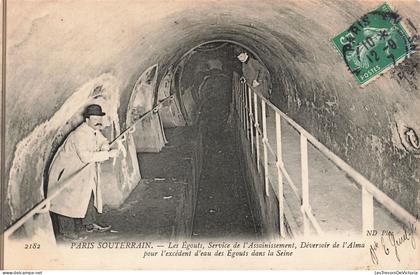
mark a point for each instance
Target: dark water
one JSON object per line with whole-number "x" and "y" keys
{"x": 222, "y": 209}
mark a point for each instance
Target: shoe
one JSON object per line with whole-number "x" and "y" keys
{"x": 97, "y": 228}
{"x": 73, "y": 237}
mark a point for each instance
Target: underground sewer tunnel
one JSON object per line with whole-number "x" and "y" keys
{"x": 309, "y": 82}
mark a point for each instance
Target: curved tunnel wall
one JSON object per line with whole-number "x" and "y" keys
{"x": 55, "y": 48}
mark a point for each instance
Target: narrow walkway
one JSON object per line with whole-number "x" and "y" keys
{"x": 222, "y": 211}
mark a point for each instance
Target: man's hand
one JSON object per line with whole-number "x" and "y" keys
{"x": 255, "y": 83}
{"x": 243, "y": 80}
{"x": 105, "y": 147}
{"x": 113, "y": 153}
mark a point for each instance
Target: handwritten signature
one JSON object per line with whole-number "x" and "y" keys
{"x": 391, "y": 243}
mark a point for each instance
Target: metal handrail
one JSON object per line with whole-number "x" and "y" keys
{"x": 281, "y": 165}
{"x": 43, "y": 205}
{"x": 370, "y": 191}
{"x": 289, "y": 181}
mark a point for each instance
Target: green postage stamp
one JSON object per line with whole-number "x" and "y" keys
{"x": 374, "y": 44}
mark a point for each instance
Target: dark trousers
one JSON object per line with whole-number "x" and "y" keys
{"x": 91, "y": 213}
{"x": 64, "y": 225}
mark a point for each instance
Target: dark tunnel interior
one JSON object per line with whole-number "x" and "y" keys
{"x": 223, "y": 206}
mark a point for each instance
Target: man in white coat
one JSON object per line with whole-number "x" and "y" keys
{"x": 73, "y": 209}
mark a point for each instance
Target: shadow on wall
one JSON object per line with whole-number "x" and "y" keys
{"x": 148, "y": 132}
{"x": 170, "y": 110}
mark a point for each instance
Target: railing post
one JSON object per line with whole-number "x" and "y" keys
{"x": 251, "y": 119}
{"x": 305, "y": 182}
{"x": 237, "y": 87}
{"x": 280, "y": 176}
{"x": 234, "y": 81}
{"x": 257, "y": 133}
{"x": 238, "y": 98}
{"x": 243, "y": 105}
{"x": 240, "y": 103}
{"x": 245, "y": 101}
{"x": 265, "y": 140}
{"x": 234, "y": 94}
{"x": 367, "y": 210}
{"x": 247, "y": 115}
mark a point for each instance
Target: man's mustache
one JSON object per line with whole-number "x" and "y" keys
{"x": 98, "y": 124}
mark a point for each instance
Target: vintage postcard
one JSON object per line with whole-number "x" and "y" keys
{"x": 210, "y": 134}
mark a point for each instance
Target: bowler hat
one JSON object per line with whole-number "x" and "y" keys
{"x": 93, "y": 110}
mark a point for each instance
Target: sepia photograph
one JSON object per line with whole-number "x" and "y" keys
{"x": 210, "y": 134}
